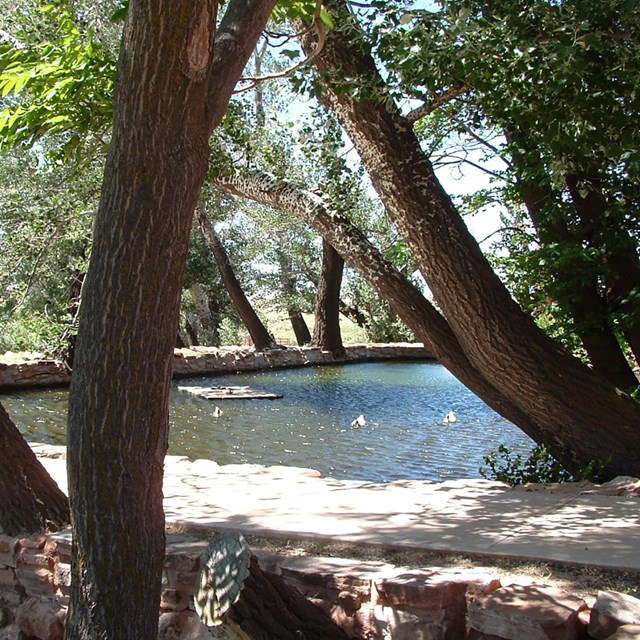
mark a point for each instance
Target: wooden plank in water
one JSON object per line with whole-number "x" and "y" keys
{"x": 230, "y": 393}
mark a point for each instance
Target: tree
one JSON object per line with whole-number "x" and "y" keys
{"x": 547, "y": 80}
{"x": 176, "y": 73}
{"x": 554, "y": 389}
{"x": 258, "y": 332}
{"x": 326, "y": 332}
{"x": 405, "y": 298}
{"x": 30, "y": 500}
{"x": 290, "y": 291}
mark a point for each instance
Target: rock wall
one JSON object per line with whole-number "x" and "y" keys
{"x": 369, "y": 600}
{"x": 21, "y": 373}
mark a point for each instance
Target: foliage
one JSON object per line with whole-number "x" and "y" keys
{"x": 46, "y": 211}
{"x": 61, "y": 85}
{"x": 551, "y": 89}
{"x": 539, "y": 466}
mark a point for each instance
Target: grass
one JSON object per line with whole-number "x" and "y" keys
{"x": 278, "y": 325}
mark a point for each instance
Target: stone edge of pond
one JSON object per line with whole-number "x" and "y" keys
{"x": 23, "y": 371}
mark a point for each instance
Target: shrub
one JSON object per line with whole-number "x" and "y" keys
{"x": 540, "y": 466}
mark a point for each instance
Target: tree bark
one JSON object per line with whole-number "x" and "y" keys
{"x": 326, "y": 331}
{"x": 201, "y": 304}
{"x": 30, "y": 500}
{"x": 503, "y": 343}
{"x": 258, "y": 332}
{"x": 269, "y": 608}
{"x": 172, "y": 89}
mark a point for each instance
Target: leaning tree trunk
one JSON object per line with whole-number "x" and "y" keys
{"x": 201, "y": 304}
{"x": 298, "y": 323}
{"x": 172, "y": 89}
{"x": 30, "y": 500}
{"x": 258, "y": 332}
{"x": 503, "y": 343}
{"x": 579, "y": 297}
{"x": 299, "y": 326}
{"x": 326, "y": 332}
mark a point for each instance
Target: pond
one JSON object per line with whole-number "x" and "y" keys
{"x": 404, "y": 435}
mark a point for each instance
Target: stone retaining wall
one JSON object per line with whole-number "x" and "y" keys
{"x": 369, "y": 600}
{"x": 16, "y": 373}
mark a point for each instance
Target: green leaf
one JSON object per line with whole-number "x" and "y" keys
{"x": 326, "y": 18}
{"x": 406, "y": 17}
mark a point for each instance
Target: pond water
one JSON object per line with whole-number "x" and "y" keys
{"x": 404, "y": 436}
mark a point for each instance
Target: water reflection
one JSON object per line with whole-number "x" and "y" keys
{"x": 404, "y": 435}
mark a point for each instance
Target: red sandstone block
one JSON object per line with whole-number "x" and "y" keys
{"x": 184, "y": 561}
{"x": 50, "y": 548}
{"x": 330, "y": 576}
{"x": 174, "y": 600}
{"x": 36, "y": 581}
{"x": 31, "y": 558}
{"x": 527, "y": 613}
{"x": 34, "y": 541}
{"x": 8, "y": 551}
{"x": 612, "y": 610}
{"x": 626, "y": 632}
{"x": 180, "y": 580}
{"x": 62, "y": 575}
{"x": 7, "y": 544}
{"x": 434, "y": 589}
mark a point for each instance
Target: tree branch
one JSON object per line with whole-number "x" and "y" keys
{"x": 318, "y": 26}
{"x": 436, "y": 103}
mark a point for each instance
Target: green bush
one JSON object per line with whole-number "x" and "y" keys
{"x": 540, "y": 466}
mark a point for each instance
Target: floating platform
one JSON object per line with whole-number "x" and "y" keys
{"x": 230, "y": 393}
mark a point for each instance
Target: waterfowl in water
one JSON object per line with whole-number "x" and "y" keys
{"x": 450, "y": 418}
{"x": 360, "y": 421}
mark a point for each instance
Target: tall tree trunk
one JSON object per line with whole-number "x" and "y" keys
{"x": 201, "y": 304}
{"x": 326, "y": 331}
{"x": 620, "y": 252}
{"x": 575, "y": 284}
{"x": 258, "y": 332}
{"x": 503, "y": 343}
{"x": 173, "y": 88}
{"x": 191, "y": 330}
{"x": 30, "y": 500}
{"x": 578, "y": 296}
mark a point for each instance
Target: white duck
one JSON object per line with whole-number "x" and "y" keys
{"x": 450, "y": 418}
{"x": 360, "y": 421}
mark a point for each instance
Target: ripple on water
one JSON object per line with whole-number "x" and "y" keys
{"x": 404, "y": 435}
